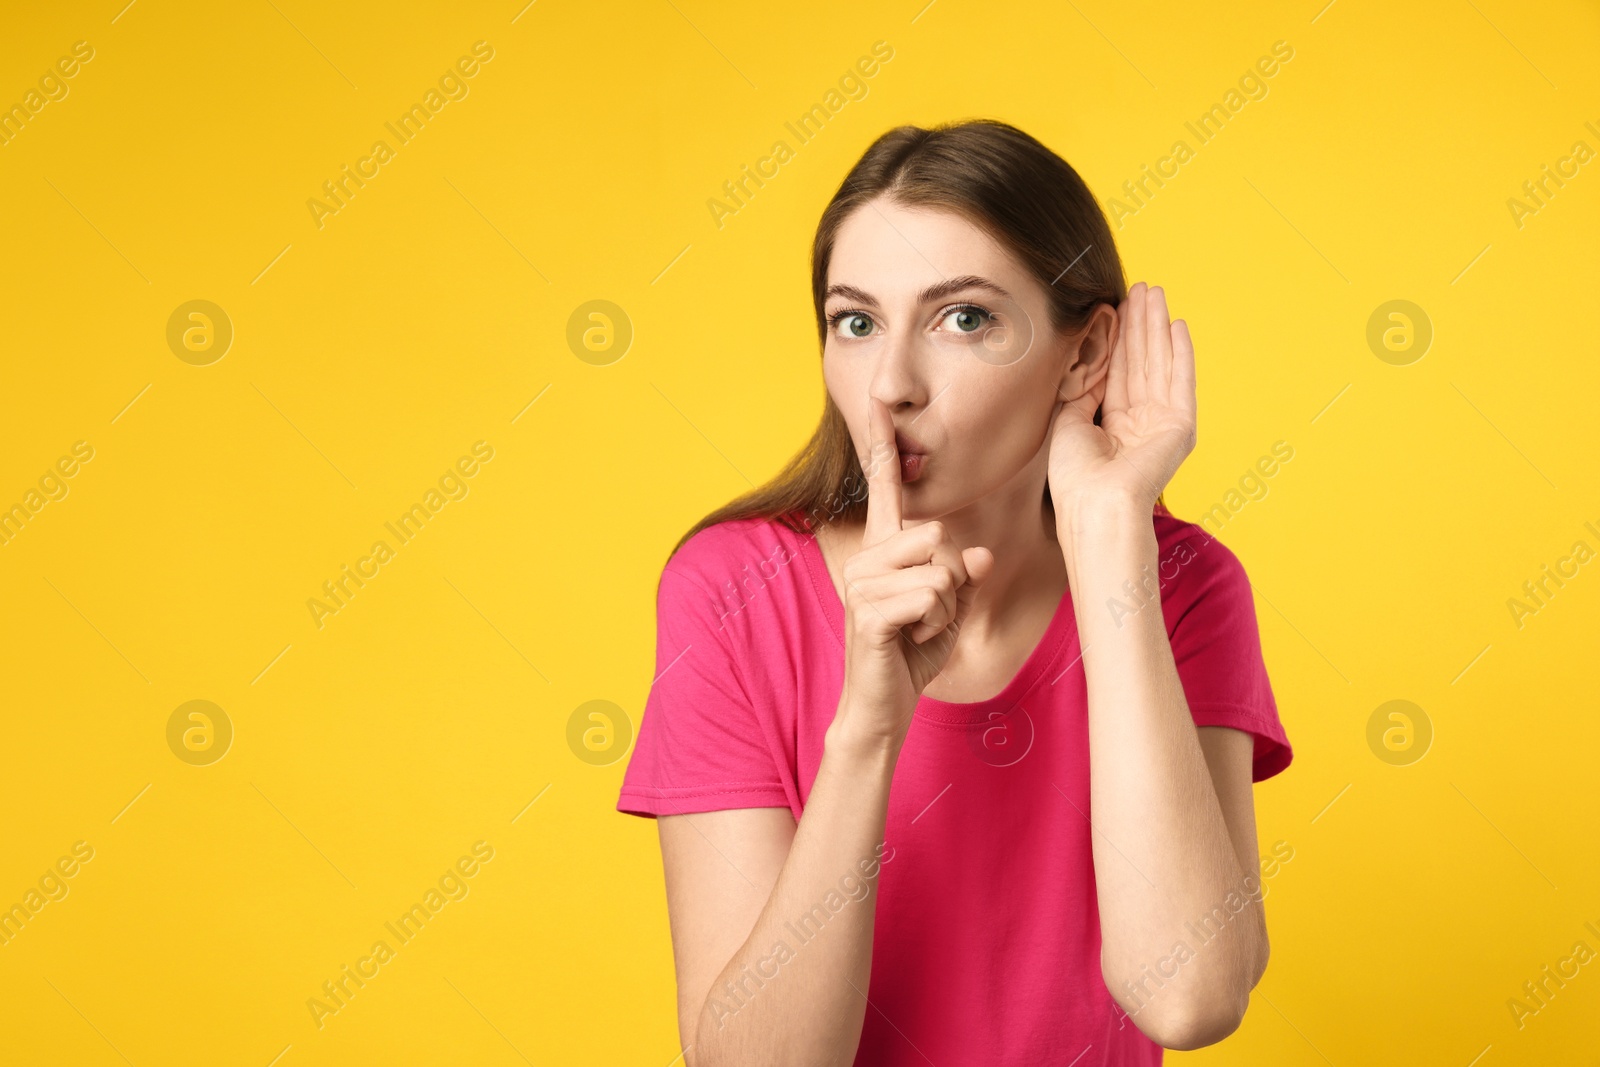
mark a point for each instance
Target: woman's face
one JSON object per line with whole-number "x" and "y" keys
{"x": 931, "y": 315}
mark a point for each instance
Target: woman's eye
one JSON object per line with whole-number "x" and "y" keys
{"x": 854, "y": 324}
{"x": 967, "y": 319}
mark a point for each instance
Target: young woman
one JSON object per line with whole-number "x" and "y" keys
{"x": 954, "y": 725}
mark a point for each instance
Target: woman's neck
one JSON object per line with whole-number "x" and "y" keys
{"x": 1029, "y": 574}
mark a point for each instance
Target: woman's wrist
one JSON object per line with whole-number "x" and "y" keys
{"x": 1085, "y": 514}
{"x": 869, "y": 746}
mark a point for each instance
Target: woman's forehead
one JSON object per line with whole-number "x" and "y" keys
{"x": 890, "y": 249}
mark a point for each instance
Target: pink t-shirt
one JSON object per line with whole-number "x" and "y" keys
{"x": 986, "y": 946}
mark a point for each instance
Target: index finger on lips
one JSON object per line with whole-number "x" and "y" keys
{"x": 882, "y": 469}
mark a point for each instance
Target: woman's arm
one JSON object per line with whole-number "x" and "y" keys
{"x": 1183, "y": 936}
{"x": 1171, "y": 859}
{"x": 748, "y": 892}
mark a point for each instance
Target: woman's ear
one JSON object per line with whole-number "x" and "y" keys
{"x": 1088, "y": 357}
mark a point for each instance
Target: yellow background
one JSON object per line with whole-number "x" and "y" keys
{"x": 432, "y": 309}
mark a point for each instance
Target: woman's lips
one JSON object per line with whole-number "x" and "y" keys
{"x": 912, "y": 457}
{"x": 908, "y": 444}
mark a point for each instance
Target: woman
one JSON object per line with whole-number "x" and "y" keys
{"x": 954, "y": 726}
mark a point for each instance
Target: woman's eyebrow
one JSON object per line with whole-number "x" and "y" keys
{"x": 937, "y": 291}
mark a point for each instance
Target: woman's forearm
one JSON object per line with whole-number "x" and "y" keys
{"x": 795, "y": 991}
{"x": 1163, "y": 856}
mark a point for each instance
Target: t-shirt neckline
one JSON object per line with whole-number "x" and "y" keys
{"x": 1063, "y": 624}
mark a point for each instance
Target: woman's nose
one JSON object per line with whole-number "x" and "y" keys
{"x": 897, "y": 378}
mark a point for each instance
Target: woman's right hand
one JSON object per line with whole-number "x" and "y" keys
{"x": 906, "y": 594}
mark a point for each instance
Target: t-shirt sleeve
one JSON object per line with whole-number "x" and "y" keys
{"x": 1216, "y": 645}
{"x": 701, "y": 746}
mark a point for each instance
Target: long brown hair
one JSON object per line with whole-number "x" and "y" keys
{"x": 1004, "y": 181}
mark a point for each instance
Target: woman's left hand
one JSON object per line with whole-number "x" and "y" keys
{"x": 1147, "y": 420}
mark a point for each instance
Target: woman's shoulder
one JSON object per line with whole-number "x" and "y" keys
{"x": 721, "y": 552}
{"x": 1190, "y": 557}
{"x": 731, "y": 565}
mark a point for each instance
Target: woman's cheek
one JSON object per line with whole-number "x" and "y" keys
{"x": 848, "y": 388}
{"x": 1004, "y": 446}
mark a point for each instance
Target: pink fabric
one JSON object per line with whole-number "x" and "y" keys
{"x": 987, "y": 939}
